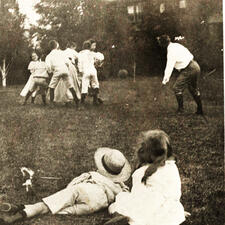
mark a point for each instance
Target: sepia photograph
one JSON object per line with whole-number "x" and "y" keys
{"x": 112, "y": 112}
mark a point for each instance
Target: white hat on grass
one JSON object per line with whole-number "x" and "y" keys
{"x": 113, "y": 164}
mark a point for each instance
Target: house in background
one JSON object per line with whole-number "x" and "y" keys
{"x": 199, "y": 21}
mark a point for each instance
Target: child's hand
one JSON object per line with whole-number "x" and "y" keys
{"x": 124, "y": 187}
{"x": 144, "y": 179}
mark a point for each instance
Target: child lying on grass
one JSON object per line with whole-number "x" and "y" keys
{"x": 85, "y": 194}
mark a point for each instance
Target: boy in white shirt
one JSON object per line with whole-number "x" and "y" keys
{"x": 180, "y": 58}
{"x": 58, "y": 64}
{"x": 86, "y": 66}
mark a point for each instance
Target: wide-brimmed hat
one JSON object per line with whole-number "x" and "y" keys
{"x": 113, "y": 164}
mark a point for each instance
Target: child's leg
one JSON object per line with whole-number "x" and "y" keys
{"x": 95, "y": 96}
{"x": 51, "y": 92}
{"x": 36, "y": 209}
{"x": 43, "y": 96}
{"x": 52, "y": 85}
{"x": 95, "y": 86}
{"x": 32, "y": 99}
{"x": 43, "y": 90}
{"x": 69, "y": 84}
{"x": 84, "y": 87}
{"x": 30, "y": 211}
{"x": 74, "y": 96}
{"x": 34, "y": 94}
{"x": 27, "y": 97}
{"x": 33, "y": 87}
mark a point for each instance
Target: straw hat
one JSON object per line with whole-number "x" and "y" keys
{"x": 113, "y": 164}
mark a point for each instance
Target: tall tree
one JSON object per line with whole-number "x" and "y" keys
{"x": 67, "y": 20}
{"x": 77, "y": 21}
{"x": 12, "y": 36}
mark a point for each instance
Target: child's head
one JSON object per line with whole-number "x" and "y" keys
{"x": 163, "y": 40}
{"x": 112, "y": 164}
{"x": 93, "y": 44}
{"x": 53, "y": 44}
{"x": 34, "y": 56}
{"x": 155, "y": 149}
{"x": 155, "y": 144}
{"x": 87, "y": 45}
{"x": 72, "y": 45}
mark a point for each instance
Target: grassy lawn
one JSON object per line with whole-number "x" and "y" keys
{"x": 61, "y": 142}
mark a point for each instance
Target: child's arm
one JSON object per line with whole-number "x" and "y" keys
{"x": 124, "y": 187}
{"x": 31, "y": 67}
{"x": 48, "y": 65}
{"x": 118, "y": 187}
{"x": 81, "y": 178}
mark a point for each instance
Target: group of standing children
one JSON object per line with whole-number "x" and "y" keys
{"x": 72, "y": 74}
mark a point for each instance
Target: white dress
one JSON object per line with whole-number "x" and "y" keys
{"x": 62, "y": 94}
{"x": 31, "y": 67}
{"x": 157, "y": 202}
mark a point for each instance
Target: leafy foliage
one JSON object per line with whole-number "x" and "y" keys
{"x": 12, "y": 43}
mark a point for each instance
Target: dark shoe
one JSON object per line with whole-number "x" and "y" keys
{"x": 3, "y": 222}
{"x": 83, "y": 97}
{"x": 198, "y": 101}
{"x": 52, "y": 104}
{"x": 6, "y": 218}
{"x": 199, "y": 112}
{"x": 5, "y": 207}
{"x": 180, "y": 104}
{"x": 100, "y": 101}
{"x": 32, "y": 100}
{"x": 67, "y": 104}
{"x": 10, "y": 208}
{"x": 180, "y": 111}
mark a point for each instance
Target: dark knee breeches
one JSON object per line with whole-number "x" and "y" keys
{"x": 188, "y": 78}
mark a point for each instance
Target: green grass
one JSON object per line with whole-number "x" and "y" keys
{"x": 61, "y": 142}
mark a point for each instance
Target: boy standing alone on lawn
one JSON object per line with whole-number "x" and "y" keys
{"x": 58, "y": 64}
{"x": 180, "y": 58}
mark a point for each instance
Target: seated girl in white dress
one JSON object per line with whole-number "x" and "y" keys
{"x": 155, "y": 195}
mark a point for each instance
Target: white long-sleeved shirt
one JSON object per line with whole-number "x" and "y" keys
{"x": 71, "y": 54}
{"x": 56, "y": 62}
{"x": 86, "y": 61}
{"x": 178, "y": 57}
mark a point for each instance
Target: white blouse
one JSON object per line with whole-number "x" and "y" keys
{"x": 178, "y": 57}
{"x": 157, "y": 202}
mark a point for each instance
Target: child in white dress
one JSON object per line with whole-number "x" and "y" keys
{"x": 155, "y": 195}
{"x": 31, "y": 68}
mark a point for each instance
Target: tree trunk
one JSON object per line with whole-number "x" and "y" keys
{"x": 4, "y": 82}
{"x": 134, "y": 71}
{"x": 4, "y": 73}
